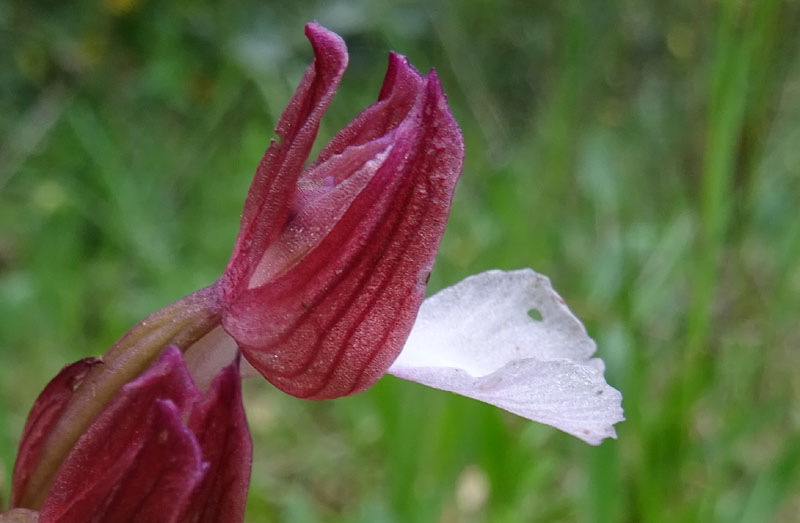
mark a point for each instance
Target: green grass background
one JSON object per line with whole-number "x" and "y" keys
{"x": 645, "y": 155}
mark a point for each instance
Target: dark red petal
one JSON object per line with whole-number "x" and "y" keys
{"x": 326, "y": 189}
{"x": 270, "y": 196}
{"x": 136, "y": 461}
{"x": 401, "y": 87}
{"x": 334, "y": 322}
{"x": 147, "y": 479}
{"x": 46, "y": 411}
{"x": 218, "y": 422}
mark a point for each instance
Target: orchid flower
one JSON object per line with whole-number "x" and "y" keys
{"x": 322, "y": 296}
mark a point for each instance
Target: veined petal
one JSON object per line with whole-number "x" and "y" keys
{"x": 399, "y": 92}
{"x": 344, "y": 167}
{"x": 218, "y": 422}
{"x": 477, "y": 339}
{"x": 149, "y": 481}
{"x": 137, "y": 459}
{"x": 269, "y": 200}
{"x": 330, "y": 305}
{"x": 160, "y": 451}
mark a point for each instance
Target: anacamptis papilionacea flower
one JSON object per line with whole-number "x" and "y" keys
{"x": 322, "y": 296}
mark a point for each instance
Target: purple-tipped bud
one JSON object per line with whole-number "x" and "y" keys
{"x": 331, "y": 262}
{"x": 160, "y": 450}
{"x": 44, "y": 414}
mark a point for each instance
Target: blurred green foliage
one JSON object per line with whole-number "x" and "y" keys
{"x": 643, "y": 154}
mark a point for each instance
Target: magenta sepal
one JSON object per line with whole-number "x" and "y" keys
{"x": 326, "y": 279}
{"x": 150, "y": 454}
{"x": 219, "y": 425}
{"x": 45, "y": 412}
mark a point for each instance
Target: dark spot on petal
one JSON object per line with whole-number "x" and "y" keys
{"x": 536, "y": 314}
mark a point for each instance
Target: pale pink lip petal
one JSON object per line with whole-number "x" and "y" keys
{"x": 477, "y": 339}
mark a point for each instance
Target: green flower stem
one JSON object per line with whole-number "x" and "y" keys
{"x": 180, "y": 324}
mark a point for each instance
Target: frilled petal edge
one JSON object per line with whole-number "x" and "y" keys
{"x": 480, "y": 339}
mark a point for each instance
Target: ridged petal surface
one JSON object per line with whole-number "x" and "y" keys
{"x": 269, "y": 200}
{"x": 160, "y": 451}
{"x": 218, "y": 422}
{"x": 330, "y": 302}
